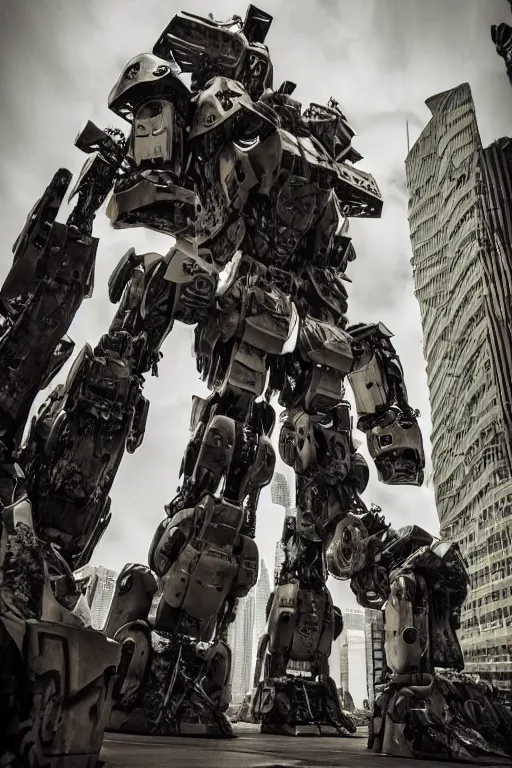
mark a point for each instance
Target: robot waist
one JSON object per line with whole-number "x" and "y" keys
{"x": 284, "y": 279}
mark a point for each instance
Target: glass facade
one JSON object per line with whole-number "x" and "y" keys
{"x": 457, "y": 253}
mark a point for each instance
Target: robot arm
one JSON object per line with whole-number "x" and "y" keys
{"x": 384, "y": 414}
{"x": 51, "y": 274}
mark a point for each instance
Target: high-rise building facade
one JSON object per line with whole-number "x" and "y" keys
{"x": 281, "y": 496}
{"x": 240, "y": 640}
{"x": 454, "y": 248}
{"x": 280, "y": 491}
{"x": 279, "y": 558}
{"x": 353, "y": 677}
{"x": 261, "y": 597}
{"x": 374, "y": 650}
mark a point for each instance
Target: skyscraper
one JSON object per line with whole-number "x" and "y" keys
{"x": 279, "y": 558}
{"x": 280, "y": 490}
{"x": 261, "y": 596}
{"x": 353, "y": 657}
{"x": 240, "y": 640}
{"x": 461, "y": 262}
{"x": 374, "y": 649}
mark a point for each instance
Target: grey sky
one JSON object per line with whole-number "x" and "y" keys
{"x": 379, "y": 58}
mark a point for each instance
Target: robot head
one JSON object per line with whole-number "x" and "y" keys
{"x": 206, "y": 48}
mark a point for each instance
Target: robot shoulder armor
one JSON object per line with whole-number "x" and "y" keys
{"x": 226, "y": 100}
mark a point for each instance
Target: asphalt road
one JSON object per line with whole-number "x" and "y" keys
{"x": 249, "y": 750}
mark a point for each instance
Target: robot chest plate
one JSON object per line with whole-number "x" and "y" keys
{"x": 297, "y": 203}
{"x": 278, "y": 226}
{"x": 286, "y": 209}
{"x": 212, "y": 211}
{"x": 222, "y": 191}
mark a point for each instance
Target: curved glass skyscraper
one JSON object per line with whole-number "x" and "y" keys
{"x": 461, "y": 262}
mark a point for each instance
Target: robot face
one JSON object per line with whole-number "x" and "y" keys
{"x": 216, "y": 451}
{"x": 287, "y": 443}
{"x": 297, "y": 446}
{"x": 218, "y": 444}
{"x": 329, "y": 126}
{"x": 146, "y": 77}
{"x": 307, "y": 445}
{"x": 218, "y": 102}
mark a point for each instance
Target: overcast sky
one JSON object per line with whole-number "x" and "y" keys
{"x": 379, "y": 58}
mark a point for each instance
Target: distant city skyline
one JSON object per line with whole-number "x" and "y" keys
{"x": 351, "y": 656}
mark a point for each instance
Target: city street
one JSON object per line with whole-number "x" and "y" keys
{"x": 249, "y": 750}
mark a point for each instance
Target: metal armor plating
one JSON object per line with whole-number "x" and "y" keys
{"x": 257, "y": 193}
{"x": 425, "y": 705}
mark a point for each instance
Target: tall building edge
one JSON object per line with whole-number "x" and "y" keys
{"x": 495, "y": 239}
{"x": 461, "y": 235}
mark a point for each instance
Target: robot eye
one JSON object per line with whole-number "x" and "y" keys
{"x": 161, "y": 71}
{"x": 385, "y": 440}
{"x": 132, "y": 72}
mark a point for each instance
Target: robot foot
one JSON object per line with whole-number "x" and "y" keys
{"x": 294, "y": 706}
{"x": 163, "y": 687}
{"x": 446, "y": 716}
{"x": 55, "y": 693}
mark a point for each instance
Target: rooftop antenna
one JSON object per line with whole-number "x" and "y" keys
{"x": 407, "y": 133}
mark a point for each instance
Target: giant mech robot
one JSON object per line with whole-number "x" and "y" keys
{"x": 256, "y": 193}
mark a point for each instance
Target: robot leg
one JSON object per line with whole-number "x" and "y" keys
{"x": 316, "y": 441}
{"x": 428, "y": 706}
{"x": 206, "y": 559}
{"x": 425, "y": 706}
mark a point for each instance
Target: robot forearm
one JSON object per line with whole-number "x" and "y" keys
{"x": 50, "y": 276}
{"x": 52, "y": 272}
{"x": 106, "y": 150}
{"x": 384, "y": 414}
